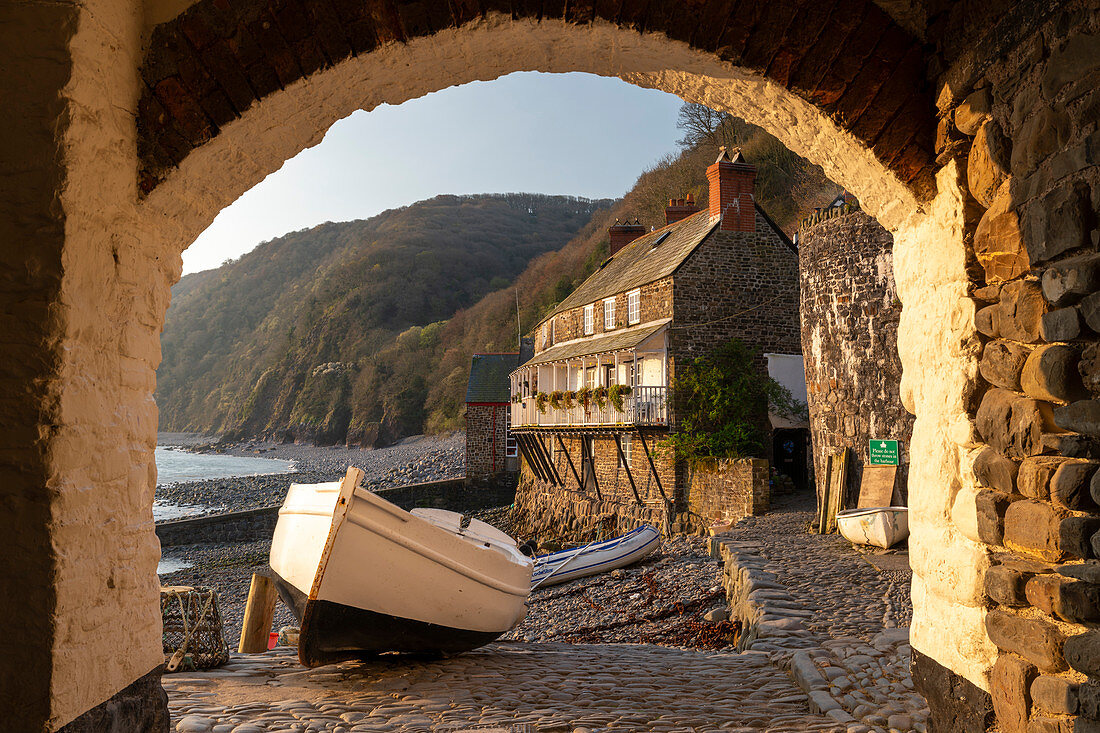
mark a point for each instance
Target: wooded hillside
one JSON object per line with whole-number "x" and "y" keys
{"x": 362, "y": 331}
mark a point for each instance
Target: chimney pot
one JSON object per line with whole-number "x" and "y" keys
{"x": 680, "y": 208}
{"x": 623, "y": 234}
{"x": 732, "y": 192}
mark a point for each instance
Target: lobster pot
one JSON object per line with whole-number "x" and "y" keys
{"x": 192, "y": 629}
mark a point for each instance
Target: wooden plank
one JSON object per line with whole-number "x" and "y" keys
{"x": 653, "y": 468}
{"x": 876, "y": 488}
{"x": 630, "y": 476}
{"x": 259, "y": 612}
{"x": 532, "y": 462}
{"x": 569, "y": 459}
{"x": 838, "y": 478}
{"x": 544, "y": 455}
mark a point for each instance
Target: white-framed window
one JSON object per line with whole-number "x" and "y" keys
{"x": 511, "y": 447}
{"x": 545, "y": 335}
{"x": 590, "y": 377}
{"x": 589, "y": 319}
{"x": 624, "y": 441}
{"x": 634, "y": 306}
{"x": 608, "y": 314}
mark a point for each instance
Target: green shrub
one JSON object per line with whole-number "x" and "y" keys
{"x": 721, "y": 405}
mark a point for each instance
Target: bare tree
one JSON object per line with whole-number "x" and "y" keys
{"x": 707, "y": 128}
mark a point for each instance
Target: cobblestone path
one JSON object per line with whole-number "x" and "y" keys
{"x": 835, "y": 615}
{"x": 847, "y": 594}
{"x": 543, "y": 688}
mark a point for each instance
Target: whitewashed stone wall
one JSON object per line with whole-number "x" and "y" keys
{"x": 90, "y": 264}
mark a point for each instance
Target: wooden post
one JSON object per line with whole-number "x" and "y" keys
{"x": 258, "y": 615}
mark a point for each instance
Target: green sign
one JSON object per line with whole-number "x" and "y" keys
{"x": 883, "y": 452}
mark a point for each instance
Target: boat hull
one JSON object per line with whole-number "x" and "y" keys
{"x": 599, "y": 557}
{"x": 878, "y": 526}
{"x": 388, "y": 581}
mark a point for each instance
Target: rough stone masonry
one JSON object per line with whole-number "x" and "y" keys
{"x": 968, "y": 130}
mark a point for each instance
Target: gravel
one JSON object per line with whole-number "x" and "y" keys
{"x": 661, "y": 600}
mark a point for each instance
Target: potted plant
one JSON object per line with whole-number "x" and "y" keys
{"x": 616, "y": 393}
{"x": 599, "y": 394}
{"x": 567, "y": 399}
{"x": 541, "y": 398}
{"x": 556, "y": 398}
{"x": 584, "y": 396}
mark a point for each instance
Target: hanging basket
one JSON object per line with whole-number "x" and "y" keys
{"x": 193, "y": 636}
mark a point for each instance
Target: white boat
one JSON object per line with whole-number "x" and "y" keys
{"x": 598, "y": 557}
{"x": 881, "y": 526}
{"x": 365, "y": 577}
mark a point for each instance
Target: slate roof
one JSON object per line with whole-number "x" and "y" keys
{"x": 639, "y": 263}
{"x": 489, "y": 377}
{"x": 614, "y": 341}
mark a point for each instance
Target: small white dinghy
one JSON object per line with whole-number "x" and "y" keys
{"x": 365, "y": 577}
{"x": 881, "y": 526}
{"x": 597, "y": 557}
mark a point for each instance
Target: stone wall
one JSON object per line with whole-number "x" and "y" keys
{"x": 545, "y": 512}
{"x": 756, "y": 274}
{"x": 486, "y": 439}
{"x": 1022, "y": 135}
{"x": 456, "y": 495}
{"x": 850, "y": 313}
{"x": 610, "y": 474}
{"x": 699, "y": 496}
{"x": 727, "y": 490}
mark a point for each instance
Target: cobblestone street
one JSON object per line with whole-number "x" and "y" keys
{"x": 830, "y": 656}
{"x": 552, "y": 687}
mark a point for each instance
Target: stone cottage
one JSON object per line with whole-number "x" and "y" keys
{"x": 490, "y": 447}
{"x": 591, "y": 408}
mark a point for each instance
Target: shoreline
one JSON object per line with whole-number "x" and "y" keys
{"x": 228, "y": 567}
{"x": 413, "y": 460}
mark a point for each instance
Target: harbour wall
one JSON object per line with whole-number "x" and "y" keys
{"x": 254, "y": 524}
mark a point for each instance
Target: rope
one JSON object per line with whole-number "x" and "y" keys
{"x": 178, "y": 655}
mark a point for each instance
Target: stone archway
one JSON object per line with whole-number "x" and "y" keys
{"x": 121, "y": 157}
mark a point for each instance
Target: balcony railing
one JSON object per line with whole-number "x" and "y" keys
{"x": 643, "y": 406}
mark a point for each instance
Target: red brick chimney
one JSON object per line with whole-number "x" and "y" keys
{"x": 623, "y": 234}
{"x": 678, "y": 209}
{"x": 731, "y": 192}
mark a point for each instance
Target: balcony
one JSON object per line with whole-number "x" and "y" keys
{"x": 644, "y": 406}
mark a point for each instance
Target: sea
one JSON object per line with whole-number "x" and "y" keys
{"x": 176, "y": 466}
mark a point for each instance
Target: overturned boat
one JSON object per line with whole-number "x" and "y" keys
{"x": 881, "y": 526}
{"x": 365, "y": 577}
{"x": 597, "y": 557}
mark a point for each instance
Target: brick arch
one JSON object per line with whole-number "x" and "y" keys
{"x": 217, "y": 61}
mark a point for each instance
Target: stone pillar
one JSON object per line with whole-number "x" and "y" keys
{"x": 1005, "y": 514}
{"x": 850, "y": 313}
{"x": 85, "y": 294}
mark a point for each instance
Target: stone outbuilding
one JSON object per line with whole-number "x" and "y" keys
{"x": 592, "y": 407}
{"x": 490, "y": 447}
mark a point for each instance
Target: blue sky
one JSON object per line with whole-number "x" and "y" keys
{"x": 571, "y": 134}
